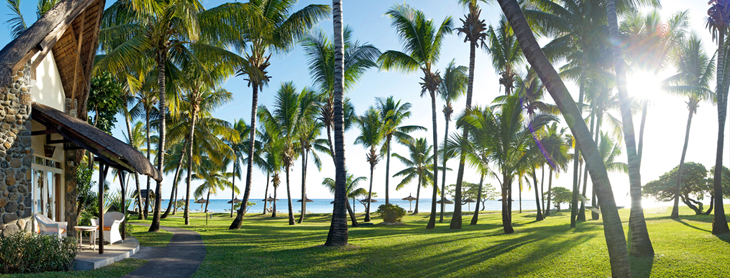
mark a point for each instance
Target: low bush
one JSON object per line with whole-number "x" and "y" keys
{"x": 25, "y": 253}
{"x": 391, "y": 213}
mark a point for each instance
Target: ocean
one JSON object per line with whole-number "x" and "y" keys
{"x": 324, "y": 206}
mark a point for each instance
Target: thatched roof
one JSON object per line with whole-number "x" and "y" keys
{"x": 70, "y": 30}
{"x": 113, "y": 151}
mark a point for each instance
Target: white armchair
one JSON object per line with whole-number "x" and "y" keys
{"x": 46, "y": 226}
{"x": 112, "y": 220}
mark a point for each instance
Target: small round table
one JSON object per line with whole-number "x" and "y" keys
{"x": 92, "y": 229}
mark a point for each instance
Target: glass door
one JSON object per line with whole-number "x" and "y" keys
{"x": 47, "y": 190}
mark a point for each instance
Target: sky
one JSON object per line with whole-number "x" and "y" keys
{"x": 665, "y": 124}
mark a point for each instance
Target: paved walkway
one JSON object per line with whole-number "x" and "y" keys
{"x": 180, "y": 258}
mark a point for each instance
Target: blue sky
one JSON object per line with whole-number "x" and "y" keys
{"x": 665, "y": 124}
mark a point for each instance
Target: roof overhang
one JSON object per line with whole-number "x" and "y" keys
{"x": 110, "y": 150}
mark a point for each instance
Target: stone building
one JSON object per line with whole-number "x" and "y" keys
{"x": 44, "y": 84}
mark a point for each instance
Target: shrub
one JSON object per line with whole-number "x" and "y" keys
{"x": 25, "y": 253}
{"x": 391, "y": 213}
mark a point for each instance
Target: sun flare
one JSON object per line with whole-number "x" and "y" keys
{"x": 643, "y": 85}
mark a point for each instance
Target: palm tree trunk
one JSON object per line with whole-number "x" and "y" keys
{"x": 443, "y": 173}
{"x": 147, "y": 197}
{"x": 542, "y": 190}
{"x": 537, "y": 198}
{"x": 233, "y": 193}
{"x": 641, "y": 130}
{"x": 266, "y": 193}
{"x": 191, "y": 136}
{"x": 127, "y": 121}
{"x": 173, "y": 191}
{"x": 288, "y": 198}
{"x": 337, "y": 235}
{"x": 475, "y": 218}
{"x": 162, "y": 106}
{"x": 456, "y": 220}
{"x": 207, "y": 201}
{"x": 582, "y": 211}
{"x": 457, "y": 207}
{"x": 678, "y": 189}
{"x": 613, "y": 229}
{"x": 353, "y": 218}
{"x": 370, "y": 190}
{"x": 236, "y": 224}
{"x": 640, "y": 245}
{"x": 304, "y": 185}
{"x": 418, "y": 195}
{"x": 594, "y": 189}
{"x": 329, "y": 142}
{"x": 520, "y": 195}
{"x": 506, "y": 208}
{"x": 174, "y": 211}
{"x": 719, "y": 222}
{"x": 387, "y": 170}
{"x": 273, "y": 213}
{"x": 550, "y": 192}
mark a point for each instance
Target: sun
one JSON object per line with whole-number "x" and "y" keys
{"x": 643, "y": 85}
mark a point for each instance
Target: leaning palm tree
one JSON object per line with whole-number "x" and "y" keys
{"x": 371, "y": 134}
{"x": 453, "y": 86}
{"x": 696, "y": 69}
{"x": 271, "y": 26}
{"x": 417, "y": 166}
{"x": 168, "y": 31}
{"x": 392, "y": 116}
{"x": 422, "y": 45}
{"x": 613, "y": 229}
{"x": 359, "y": 57}
{"x": 351, "y": 190}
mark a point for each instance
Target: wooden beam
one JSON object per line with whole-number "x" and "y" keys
{"x": 79, "y": 42}
{"x": 25, "y": 59}
{"x": 42, "y": 132}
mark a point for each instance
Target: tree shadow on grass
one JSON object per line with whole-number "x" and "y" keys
{"x": 641, "y": 266}
{"x": 690, "y": 225}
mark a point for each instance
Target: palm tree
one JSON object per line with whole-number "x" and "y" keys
{"x": 422, "y": 45}
{"x": 692, "y": 81}
{"x": 351, "y": 190}
{"x": 309, "y": 128}
{"x": 392, "y": 116}
{"x": 613, "y": 228}
{"x": 135, "y": 139}
{"x": 557, "y": 157}
{"x": 359, "y": 57}
{"x": 146, "y": 101}
{"x": 240, "y": 150}
{"x": 337, "y": 235}
{"x": 417, "y": 166}
{"x": 285, "y": 122}
{"x": 213, "y": 180}
{"x": 370, "y": 136}
{"x": 717, "y": 22}
{"x": 17, "y": 21}
{"x": 610, "y": 150}
{"x": 474, "y": 30}
{"x": 167, "y": 31}
{"x": 452, "y": 88}
{"x": 272, "y": 26}
{"x": 506, "y": 54}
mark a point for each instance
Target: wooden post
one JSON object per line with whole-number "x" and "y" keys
{"x": 124, "y": 204}
{"x": 102, "y": 177}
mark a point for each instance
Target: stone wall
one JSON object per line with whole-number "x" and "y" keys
{"x": 15, "y": 154}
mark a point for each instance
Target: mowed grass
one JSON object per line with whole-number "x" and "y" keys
{"x": 117, "y": 269}
{"x": 156, "y": 239}
{"x": 268, "y": 246}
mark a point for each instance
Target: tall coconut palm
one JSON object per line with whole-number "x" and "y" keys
{"x": 476, "y": 153}
{"x": 557, "y": 157}
{"x": 272, "y": 26}
{"x": 613, "y": 228}
{"x": 475, "y": 32}
{"x": 371, "y": 134}
{"x": 452, "y": 88}
{"x": 240, "y": 152}
{"x": 166, "y": 31}
{"x": 505, "y": 53}
{"x": 392, "y": 116}
{"x": 359, "y": 57}
{"x": 417, "y": 166}
{"x": 696, "y": 70}
{"x": 422, "y": 45}
{"x": 136, "y": 139}
{"x": 337, "y": 235}
{"x": 717, "y": 21}
{"x": 214, "y": 180}
{"x": 146, "y": 101}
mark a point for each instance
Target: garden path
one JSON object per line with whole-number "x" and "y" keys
{"x": 180, "y": 258}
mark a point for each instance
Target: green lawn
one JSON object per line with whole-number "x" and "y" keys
{"x": 115, "y": 270}
{"x": 158, "y": 239}
{"x": 270, "y": 247}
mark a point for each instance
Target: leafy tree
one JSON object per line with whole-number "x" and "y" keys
{"x": 560, "y": 195}
{"x": 105, "y": 100}
{"x": 471, "y": 191}
{"x": 695, "y": 185}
